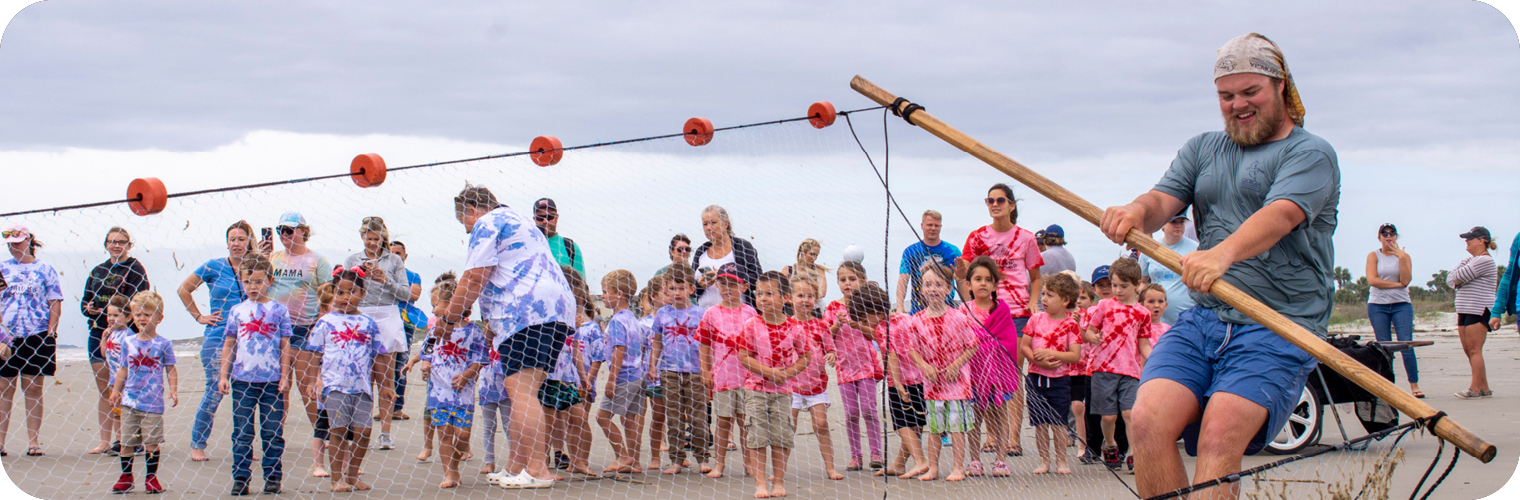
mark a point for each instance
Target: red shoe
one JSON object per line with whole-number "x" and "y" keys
{"x": 123, "y": 484}
{"x": 150, "y": 485}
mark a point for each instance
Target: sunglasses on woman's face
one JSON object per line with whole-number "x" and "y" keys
{"x": 1388, "y": 233}
{"x": 683, "y": 249}
{"x": 287, "y": 231}
{"x": 996, "y": 201}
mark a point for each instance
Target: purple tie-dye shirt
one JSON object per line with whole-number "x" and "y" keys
{"x": 348, "y": 344}
{"x": 259, "y": 329}
{"x": 465, "y": 346}
{"x": 145, "y": 361}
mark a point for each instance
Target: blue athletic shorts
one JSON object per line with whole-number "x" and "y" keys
{"x": 1207, "y": 355}
{"x": 457, "y": 416}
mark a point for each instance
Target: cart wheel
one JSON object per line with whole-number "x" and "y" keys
{"x": 1303, "y": 427}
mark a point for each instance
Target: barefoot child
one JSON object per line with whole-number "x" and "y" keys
{"x": 624, "y": 392}
{"x": 1153, "y": 297}
{"x": 773, "y": 349}
{"x": 1052, "y": 344}
{"x": 563, "y": 395}
{"x": 119, "y": 314}
{"x": 677, "y": 352}
{"x": 453, "y": 365}
{"x": 718, "y": 334}
{"x": 347, "y": 346}
{"x": 947, "y": 341}
{"x": 899, "y": 336}
{"x": 810, "y": 387}
{"x": 256, "y": 374}
{"x": 859, "y": 369}
{"x": 994, "y": 367}
{"x": 1115, "y": 326}
{"x": 147, "y": 376}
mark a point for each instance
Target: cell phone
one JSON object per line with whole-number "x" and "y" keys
{"x": 3, "y": 284}
{"x": 267, "y": 233}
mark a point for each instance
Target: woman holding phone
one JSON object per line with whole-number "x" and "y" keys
{"x": 220, "y": 276}
{"x": 385, "y": 285}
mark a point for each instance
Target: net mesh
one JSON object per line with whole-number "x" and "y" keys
{"x": 779, "y": 183}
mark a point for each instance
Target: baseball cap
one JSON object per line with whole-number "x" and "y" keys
{"x": 1055, "y": 231}
{"x": 16, "y": 233}
{"x": 1475, "y": 232}
{"x": 730, "y": 271}
{"x": 1100, "y": 273}
{"x": 545, "y": 204}
{"x": 291, "y": 219}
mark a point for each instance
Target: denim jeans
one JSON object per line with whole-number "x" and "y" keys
{"x": 1400, "y": 319}
{"x": 264, "y": 400}
{"x": 211, "y": 362}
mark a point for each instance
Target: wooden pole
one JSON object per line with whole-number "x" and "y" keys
{"x": 1446, "y": 428}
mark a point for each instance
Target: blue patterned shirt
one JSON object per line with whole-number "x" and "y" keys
{"x": 625, "y": 331}
{"x": 526, "y": 286}
{"x": 677, "y": 329}
{"x": 259, "y": 329}
{"x": 24, "y": 302}
{"x": 348, "y": 344}
{"x": 145, "y": 361}
{"x": 465, "y": 346}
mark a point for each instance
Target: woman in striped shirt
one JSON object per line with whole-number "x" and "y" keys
{"x": 1476, "y": 280}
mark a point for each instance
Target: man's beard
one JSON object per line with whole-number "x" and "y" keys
{"x": 1268, "y": 120}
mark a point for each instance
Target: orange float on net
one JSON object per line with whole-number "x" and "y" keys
{"x": 698, "y": 131}
{"x": 545, "y": 150}
{"x": 368, "y": 170}
{"x": 821, "y": 114}
{"x": 147, "y": 196}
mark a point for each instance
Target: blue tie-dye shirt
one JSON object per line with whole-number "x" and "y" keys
{"x": 677, "y": 329}
{"x": 526, "y": 286}
{"x": 24, "y": 302}
{"x": 593, "y": 349}
{"x": 110, "y": 347}
{"x": 492, "y": 380}
{"x": 348, "y": 344}
{"x": 624, "y": 330}
{"x": 593, "y": 343}
{"x": 259, "y": 328}
{"x": 465, "y": 346}
{"x": 145, "y": 361}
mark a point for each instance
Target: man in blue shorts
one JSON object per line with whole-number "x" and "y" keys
{"x": 1264, "y": 194}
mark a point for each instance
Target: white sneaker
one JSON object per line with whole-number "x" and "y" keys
{"x": 524, "y": 480}
{"x": 385, "y": 441}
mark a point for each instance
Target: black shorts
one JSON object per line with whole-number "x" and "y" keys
{"x": 1049, "y": 399}
{"x": 1079, "y": 388}
{"x": 1474, "y": 319}
{"x": 319, "y": 430}
{"x": 913, "y": 413}
{"x": 534, "y": 347}
{"x": 31, "y": 355}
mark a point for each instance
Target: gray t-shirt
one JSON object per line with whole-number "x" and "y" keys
{"x": 1226, "y": 183}
{"x": 1057, "y": 259}
{"x": 396, "y": 288}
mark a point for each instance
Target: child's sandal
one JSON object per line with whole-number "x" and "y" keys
{"x": 974, "y": 468}
{"x": 1000, "y": 469}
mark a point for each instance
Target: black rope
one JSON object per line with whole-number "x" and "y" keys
{"x": 1455, "y": 454}
{"x": 905, "y": 112}
{"x": 410, "y": 167}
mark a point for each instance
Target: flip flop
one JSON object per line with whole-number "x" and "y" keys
{"x": 1419, "y": 394}
{"x": 34, "y": 452}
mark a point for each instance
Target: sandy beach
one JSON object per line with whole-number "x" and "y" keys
{"x": 69, "y": 430}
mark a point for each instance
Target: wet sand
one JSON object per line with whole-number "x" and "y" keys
{"x": 69, "y": 429}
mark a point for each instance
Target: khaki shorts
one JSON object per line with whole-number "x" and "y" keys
{"x": 729, "y": 403}
{"x": 140, "y": 428}
{"x": 768, "y": 419}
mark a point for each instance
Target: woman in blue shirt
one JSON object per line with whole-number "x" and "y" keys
{"x": 221, "y": 279}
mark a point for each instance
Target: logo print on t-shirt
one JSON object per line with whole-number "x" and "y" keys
{"x": 143, "y": 359}
{"x": 451, "y": 350}
{"x": 257, "y": 327}
{"x": 349, "y": 335}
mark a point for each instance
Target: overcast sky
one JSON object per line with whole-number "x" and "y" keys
{"x": 1418, "y": 98}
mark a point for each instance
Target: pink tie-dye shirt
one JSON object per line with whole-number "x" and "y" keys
{"x": 905, "y": 337}
{"x": 942, "y": 340}
{"x": 1121, "y": 326}
{"x": 720, "y": 329}
{"x": 1016, "y": 253}
{"x": 858, "y": 358}
{"x": 1047, "y": 333}
{"x": 815, "y": 379}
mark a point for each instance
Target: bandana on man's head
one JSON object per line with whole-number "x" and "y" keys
{"x": 1253, "y": 53}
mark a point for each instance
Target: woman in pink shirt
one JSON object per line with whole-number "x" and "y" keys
{"x": 1017, "y": 254}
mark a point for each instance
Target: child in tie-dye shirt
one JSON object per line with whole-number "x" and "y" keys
{"x": 118, "y": 312}
{"x": 677, "y": 353}
{"x": 452, "y": 367}
{"x": 859, "y": 369}
{"x": 256, "y": 373}
{"x": 146, "y": 377}
{"x": 624, "y": 392}
{"x": 718, "y": 334}
{"x": 347, "y": 344}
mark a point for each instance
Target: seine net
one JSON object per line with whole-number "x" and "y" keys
{"x": 621, "y": 204}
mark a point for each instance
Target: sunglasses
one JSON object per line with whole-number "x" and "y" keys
{"x": 542, "y": 218}
{"x": 683, "y": 249}
{"x": 287, "y": 231}
{"x": 10, "y": 233}
{"x": 996, "y": 201}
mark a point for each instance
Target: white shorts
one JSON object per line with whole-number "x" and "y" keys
{"x": 800, "y": 402}
{"x": 392, "y": 330}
